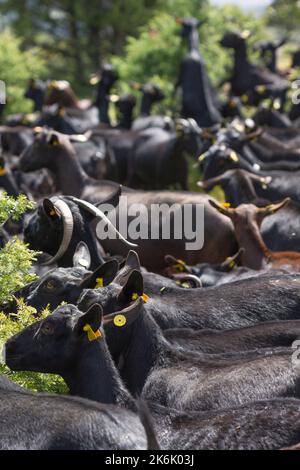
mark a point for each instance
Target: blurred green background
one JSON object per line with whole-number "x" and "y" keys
{"x": 69, "y": 39}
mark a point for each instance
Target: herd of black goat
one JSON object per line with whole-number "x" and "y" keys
{"x": 161, "y": 347}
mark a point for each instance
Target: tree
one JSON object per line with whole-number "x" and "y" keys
{"x": 157, "y": 51}
{"x": 75, "y": 35}
{"x": 16, "y": 67}
{"x": 15, "y": 272}
{"x": 284, "y": 14}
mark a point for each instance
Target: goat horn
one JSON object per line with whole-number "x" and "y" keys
{"x": 99, "y": 214}
{"x": 68, "y": 226}
{"x": 188, "y": 277}
{"x": 222, "y": 209}
{"x": 275, "y": 207}
{"x": 232, "y": 260}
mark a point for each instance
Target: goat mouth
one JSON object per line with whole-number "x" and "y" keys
{"x": 16, "y": 362}
{"x": 12, "y": 361}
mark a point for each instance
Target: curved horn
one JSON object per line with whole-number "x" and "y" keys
{"x": 272, "y": 208}
{"x": 68, "y": 226}
{"x": 99, "y": 214}
{"x": 178, "y": 264}
{"x": 188, "y": 277}
{"x": 209, "y": 184}
{"x": 231, "y": 261}
{"x": 220, "y": 208}
{"x": 255, "y": 134}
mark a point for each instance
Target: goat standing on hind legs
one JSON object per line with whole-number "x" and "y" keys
{"x": 247, "y": 219}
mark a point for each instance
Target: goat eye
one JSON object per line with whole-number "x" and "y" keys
{"x": 48, "y": 328}
{"x": 50, "y": 285}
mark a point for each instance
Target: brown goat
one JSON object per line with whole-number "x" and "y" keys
{"x": 247, "y": 219}
{"x": 61, "y": 93}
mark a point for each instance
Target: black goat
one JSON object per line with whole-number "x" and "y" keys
{"x": 269, "y": 297}
{"x": 80, "y": 355}
{"x": 255, "y": 82}
{"x": 265, "y": 335}
{"x": 198, "y": 95}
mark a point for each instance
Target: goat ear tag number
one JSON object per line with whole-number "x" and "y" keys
{"x": 120, "y": 320}
{"x": 92, "y": 335}
{"x": 99, "y": 282}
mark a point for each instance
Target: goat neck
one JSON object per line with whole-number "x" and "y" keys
{"x": 146, "y": 104}
{"x": 194, "y": 40}
{"x": 145, "y": 348}
{"x": 96, "y": 379}
{"x": 256, "y": 254}
{"x": 69, "y": 173}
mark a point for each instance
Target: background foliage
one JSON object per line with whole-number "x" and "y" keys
{"x": 67, "y": 40}
{"x": 11, "y": 325}
{"x": 16, "y": 67}
{"x": 155, "y": 54}
{"x": 15, "y": 272}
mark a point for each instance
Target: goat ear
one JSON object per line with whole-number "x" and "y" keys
{"x": 50, "y": 209}
{"x": 132, "y": 263}
{"x": 52, "y": 139}
{"x": 133, "y": 260}
{"x": 134, "y": 286}
{"x": 93, "y": 317}
{"x": 126, "y": 316}
{"x": 82, "y": 256}
{"x": 102, "y": 276}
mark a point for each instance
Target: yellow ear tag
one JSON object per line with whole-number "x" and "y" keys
{"x": 120, "y": 320}
{"x": 2, "y": 171}
{"x": 145, "y": 297}
{"x": 231, "y": 264}
{"x": 99, "y": 282}
{"x": 201, "y": 158}
{"x": 245, "y": 99}
{"x": 260, "y": 89}
{"x": 233, "y": 156}
{"x": 277, "y": 104}
{"x": 226, "y": 205}
{"x": 92, "y": 335}
{"x": 180, "y": 265}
